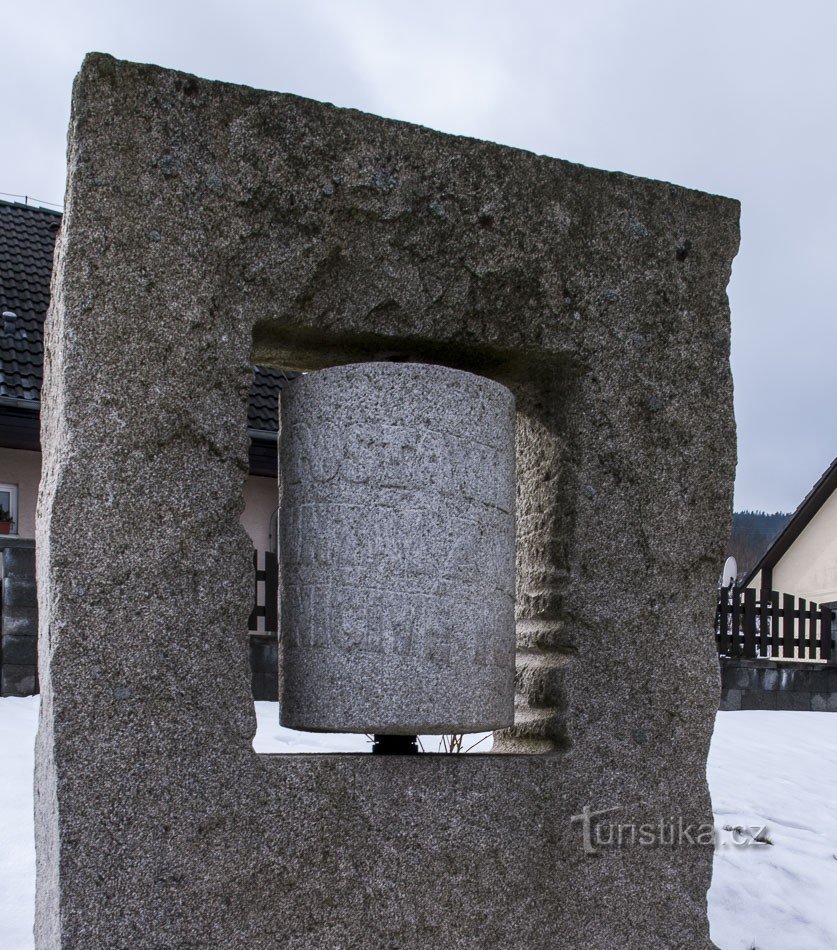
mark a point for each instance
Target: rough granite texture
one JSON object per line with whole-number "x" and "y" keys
{"x": 397, "y": 551}
{"x": 209, "y": 225}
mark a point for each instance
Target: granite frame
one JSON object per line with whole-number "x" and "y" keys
{"x": 208, "y": 226}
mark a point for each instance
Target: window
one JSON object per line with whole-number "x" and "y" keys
{"x": 8, "y": 509}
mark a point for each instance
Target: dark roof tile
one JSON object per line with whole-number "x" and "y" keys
{"x": 27, "y": 241}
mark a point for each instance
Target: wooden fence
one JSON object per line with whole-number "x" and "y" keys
{"x": 265, "y": 595}
{"x": 766, "y": 623}
{"x": 748, "y": 623}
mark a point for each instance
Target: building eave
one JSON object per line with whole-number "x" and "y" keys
{"x": 20, "y": 428}
{"x": 799, "y": 520}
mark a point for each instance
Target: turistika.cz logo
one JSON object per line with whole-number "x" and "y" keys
{"x": 599, "y": 833}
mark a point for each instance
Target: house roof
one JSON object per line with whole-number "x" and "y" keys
{"x": 263, "y": 412}
{"x": 799, "y": 520}
{"x": 27, "y": 241}
{"x": 27, "y": 237}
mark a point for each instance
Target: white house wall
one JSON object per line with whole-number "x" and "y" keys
{"x": 23, "y": 468}
{"x": 809, "y": 567}
{"x": 261, "y": 498}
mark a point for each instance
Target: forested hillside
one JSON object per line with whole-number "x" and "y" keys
{"x": 752, "y": 532}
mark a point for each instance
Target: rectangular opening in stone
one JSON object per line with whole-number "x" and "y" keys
{"x": 544, "y": 646}
{"x": 196, "y": 209}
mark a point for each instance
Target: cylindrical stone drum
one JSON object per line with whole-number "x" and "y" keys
{"x": 397, "y": 485}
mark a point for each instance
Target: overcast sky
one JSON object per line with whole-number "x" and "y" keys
{"x": 736, "y": 98}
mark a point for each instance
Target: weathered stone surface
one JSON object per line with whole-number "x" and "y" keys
{"x": 18, "y": 680}
{"x": 794, "y": 701}
{"x": 397, "y": 551}
{"x": 770, "y": 679}
{"x": 206, "y": 224}
{"x": 758, "y": 699}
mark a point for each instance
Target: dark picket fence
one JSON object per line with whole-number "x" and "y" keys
{"x": 766, "y": 623}
{"x": 265, "y": 594}
{"x": 264, "y": 627}
{"x": 748, "y": 623}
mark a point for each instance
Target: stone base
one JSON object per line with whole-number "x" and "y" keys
{"x": 778, "y": 684}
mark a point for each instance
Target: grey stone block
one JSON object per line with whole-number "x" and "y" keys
{"x": 19, "y": 562}
{"x": 397, "y": 551}
{"x": 19, "y": 592}
{"x": 20, "y": 651}
{"x": 819, "y": 680}
{"x": 797, "y": 701}
{"x": 20, "y": 621}
{"x": 18, "y": 680}
{"x": 731, "y": 700}
{"x": 819, "y": 702}
{"x": 209, "y": 225}
{"x": 264, "y": 668}
{"x": 759, "y": 699}
{"x": 729, "y": 674}
{"x": 769, "y": 679}
{"x": 788, "y": 681}
{"x": 797, "y": 678}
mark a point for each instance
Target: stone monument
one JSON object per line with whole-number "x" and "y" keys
{"x": 208, "y": 226}
{"x": 397, "y": 551}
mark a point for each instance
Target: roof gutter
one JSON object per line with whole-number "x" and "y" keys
{"x": 263, "y": 435}
{"x": 13, "y": 402}
{"x": 34, "y": 405}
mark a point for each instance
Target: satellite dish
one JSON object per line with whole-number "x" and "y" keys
{"x": 730, "y": 572}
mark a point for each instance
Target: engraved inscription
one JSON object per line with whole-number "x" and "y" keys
{"x": 400, "y": 542}
{"x": 403, "y": 457}
{"x": 396, "y": 544}
{"x": 348, "y": 619}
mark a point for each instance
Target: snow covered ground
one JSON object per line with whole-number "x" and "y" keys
{"x": 779, "y": 770}
{"x": 773, "y": 769}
